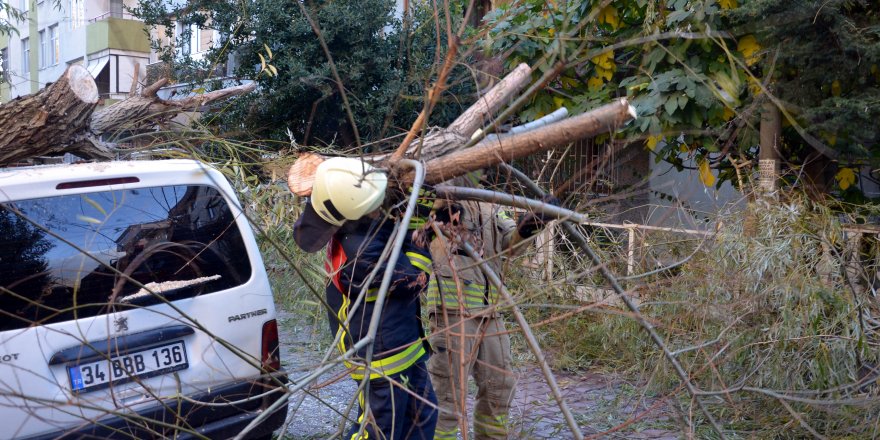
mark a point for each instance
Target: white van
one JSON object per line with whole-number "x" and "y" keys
{"x": 134, "y": 305}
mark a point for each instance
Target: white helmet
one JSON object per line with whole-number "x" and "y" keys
{"x": 347, "y": 188}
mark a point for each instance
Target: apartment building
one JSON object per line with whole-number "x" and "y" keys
{"x": 100, "y": 35}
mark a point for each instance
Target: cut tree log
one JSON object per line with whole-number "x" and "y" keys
{"x": 61, "y": 118}
{"x": 440, "y": 142}
{"x": 47, "y": 122}
{"x": 491, "y": 152}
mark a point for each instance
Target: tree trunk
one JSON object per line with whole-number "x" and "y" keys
{"x": 768, "y": 155}
{"x": 47, "y": 122}
{"x": 507, "y": 148}
{"x": 481, "y": 112}
{"x": 62, "y": 119}
{"x": 439, "y": 142}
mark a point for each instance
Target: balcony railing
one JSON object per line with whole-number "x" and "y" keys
{"x": 109, "y": 14}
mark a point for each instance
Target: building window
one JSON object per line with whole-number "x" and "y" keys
{"x": 4, "y": 64}
{"x": 44, "y": 49}
{"x": 25, "y": 56}
{"x": 55, "y": 43}
{"x": 25, "y": 6}
{"x": 77, "y": 13}
{"x": 189, "y": 37}
{"x": 117, "y": 9}
{"x": 195, "y": 38}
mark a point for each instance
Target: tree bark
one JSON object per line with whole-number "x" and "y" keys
{"x": 507, "y": 148}
{"x": 439, "y": 142}
{"x": 61, "y": 118}
{"x": 481, "y": 112}
{"x": 768, "y": 154}
{"x": 46, "y": 122}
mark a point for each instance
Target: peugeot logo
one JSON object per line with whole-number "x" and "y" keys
{"x": 121, "y": 324}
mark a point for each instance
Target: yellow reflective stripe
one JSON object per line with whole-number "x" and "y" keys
{"x": 448, "y": 285}
{"x": 486, "y": 424}
{"x": 361, "y": 418}
{"x": 493, "y": 295}
{"x": 372, "y": 294}
{"x": 342, "y": 315}
{"x": 420, "y": 261}
{"x": 472, "y": 294}
{"x": 452, "y": 434}
{"x": 392, "y": 364}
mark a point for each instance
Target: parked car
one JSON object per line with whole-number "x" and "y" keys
{"x": 135, "y": 304}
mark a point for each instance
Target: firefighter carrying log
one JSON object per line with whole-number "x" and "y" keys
{"x": 343, "y": 215}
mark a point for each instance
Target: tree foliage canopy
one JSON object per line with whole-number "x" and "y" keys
{"x": 383, "y": 65}
{"x": 697, "y": 71}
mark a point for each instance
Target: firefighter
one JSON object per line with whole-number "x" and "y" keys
{"x": 343, "y": 210}
{"x": 468, "y": 334}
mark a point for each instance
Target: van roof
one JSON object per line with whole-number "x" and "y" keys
{"x": 43, "y": 180}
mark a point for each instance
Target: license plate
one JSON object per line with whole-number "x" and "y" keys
{"x": 141, "y": 364}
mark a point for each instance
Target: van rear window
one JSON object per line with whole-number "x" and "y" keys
{"x": 77, "y": 256}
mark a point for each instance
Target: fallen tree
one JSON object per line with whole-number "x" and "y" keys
{"x": 63, "y": 117}
{"x": 446, "y": 153}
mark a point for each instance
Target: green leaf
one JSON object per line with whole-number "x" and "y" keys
{"x": 677, "y": 17}
{"x": 691, "y": 89}
{"x": 682, "y": 101}
{"x": 671, "y": 104}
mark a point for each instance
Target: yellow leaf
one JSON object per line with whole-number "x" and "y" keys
{"x": 608, "y": 15}
{"x": 604, "y": 60}
{"x": 569, "y": 82}
{"x": 594, "y": 84}
{"x": 199, "y": 90}
{"x": 728, "y": 113}
{"x": 651, "y": 141}
{"x": 835, "y": 88}
{"x": 706, "y": 175}
{"x": 262, "y": 61}
{"x": 831, "y": 138}
{"x": 558, "y": 101}
{"x": 551, "y": 32}
{"x": 268, "y": 51}
{"x": 727, "y": 4}
{"x": 684, "y": 148}
{"x": 846, "y": 177}
{"x": 749, "y": 47}
{"x": 604, "y": 74}
{"x": 755, "y": 86}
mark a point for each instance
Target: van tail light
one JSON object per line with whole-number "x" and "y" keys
{"x": 271, "y": 357}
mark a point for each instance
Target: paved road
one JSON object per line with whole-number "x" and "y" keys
{"x": 598, "y": 402}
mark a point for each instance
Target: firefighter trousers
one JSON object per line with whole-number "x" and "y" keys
{"x": 465, "y": 346}
{"x": 404, "y": 409}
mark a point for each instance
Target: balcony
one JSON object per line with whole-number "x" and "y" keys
{"x": 116, "y": 30}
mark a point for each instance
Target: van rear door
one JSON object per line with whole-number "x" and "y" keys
{"x": 118, "y": 296}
